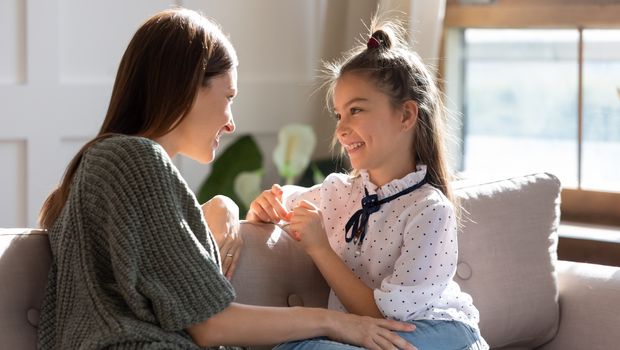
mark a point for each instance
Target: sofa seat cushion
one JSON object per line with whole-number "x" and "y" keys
{"x": 507, "y": 257}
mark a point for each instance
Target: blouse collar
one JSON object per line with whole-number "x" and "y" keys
{"x": 396, "y": 185}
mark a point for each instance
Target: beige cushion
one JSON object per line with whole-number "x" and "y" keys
{"x": 507, "y": 263}
{"x": 25, "y": 258}
{"x": 276, "y": 272}
{"x": 508, "y": 255}
{"x": 590, "y": 307}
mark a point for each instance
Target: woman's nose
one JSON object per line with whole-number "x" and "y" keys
{"x": 230, "y": 126}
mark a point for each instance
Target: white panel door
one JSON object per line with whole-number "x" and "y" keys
{"x": 58, "y": 60}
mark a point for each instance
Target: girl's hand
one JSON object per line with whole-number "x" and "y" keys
{"x": 307, "y": 227}
{"x": 370, "y": 333}
{"x": 222, "y": 216}
{"x": 268, "y": 207}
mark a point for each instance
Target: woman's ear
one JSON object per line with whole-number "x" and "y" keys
{"x": 410, "y": 114}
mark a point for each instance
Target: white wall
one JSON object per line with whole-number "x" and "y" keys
{"x": 58, "y": 59}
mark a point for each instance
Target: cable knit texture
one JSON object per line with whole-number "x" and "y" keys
{"x": 133, "y": 261}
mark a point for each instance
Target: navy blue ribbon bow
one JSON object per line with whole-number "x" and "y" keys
{"x": 370, "y": 204}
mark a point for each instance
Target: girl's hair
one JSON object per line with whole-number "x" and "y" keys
{"x": 399, "y": 72}
{"x": 169, "y": 58}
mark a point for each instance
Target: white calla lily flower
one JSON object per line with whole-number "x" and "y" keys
{"x": 247, "y": 186}
{"x": 291, "y": 156}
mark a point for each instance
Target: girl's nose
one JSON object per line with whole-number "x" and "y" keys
{"x": 230, "y": 126}
{"x": 342, "y": 129}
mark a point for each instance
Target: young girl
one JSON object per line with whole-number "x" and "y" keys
{"x": 384, "y": 237}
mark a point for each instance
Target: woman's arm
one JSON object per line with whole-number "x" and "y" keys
{"x": 244, "y": 325}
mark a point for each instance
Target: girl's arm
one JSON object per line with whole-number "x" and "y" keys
{"x": 358, "y": 298}
{"x": 255, "y": 325}
{"x": 354, "y": 294}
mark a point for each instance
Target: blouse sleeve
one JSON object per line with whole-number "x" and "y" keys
{"x": 164, "y": 260}
{"x": 293, "y": 195}
{"x": 426, "y": 265}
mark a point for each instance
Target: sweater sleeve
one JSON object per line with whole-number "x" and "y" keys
{"x": 164, "y": 260}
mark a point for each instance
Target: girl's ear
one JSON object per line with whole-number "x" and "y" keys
{"x": 410, "y": 114}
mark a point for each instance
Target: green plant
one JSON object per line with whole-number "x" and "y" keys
{"x": 238, "y": 171}
{"x": 242, "y": 156}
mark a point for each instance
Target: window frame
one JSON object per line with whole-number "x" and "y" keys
{"x": 577, "y": 204}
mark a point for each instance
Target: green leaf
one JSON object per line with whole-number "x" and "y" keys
{"x": 317, "y": 174}
{"x": 243, "y": 155}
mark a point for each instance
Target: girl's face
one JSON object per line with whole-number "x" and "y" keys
{"x": 376, "y": 136}
{"x": 198, "y": 135}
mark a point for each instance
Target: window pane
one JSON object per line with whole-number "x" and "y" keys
{"x": 521, "y": 102}
{"x": 601, "y": 110}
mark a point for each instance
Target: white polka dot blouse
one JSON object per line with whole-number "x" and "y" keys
{"x": 410, "y": 251}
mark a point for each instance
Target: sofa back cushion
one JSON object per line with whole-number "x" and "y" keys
{"x": 507, "y": 258}
{"x": 25, "y": 259}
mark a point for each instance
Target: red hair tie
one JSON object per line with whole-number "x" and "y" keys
{"x": 373, "y": 43}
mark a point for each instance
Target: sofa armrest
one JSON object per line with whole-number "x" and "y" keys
{"x": 273, "y": 270}
{"x": 589, "y": 307}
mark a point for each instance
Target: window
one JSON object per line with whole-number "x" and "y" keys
{"x": 520, "y": 102}
{"x": 538, "y": 86}
{"x": 601, "y": 110}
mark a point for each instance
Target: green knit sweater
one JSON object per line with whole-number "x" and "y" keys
{"x": 133, "y": 261}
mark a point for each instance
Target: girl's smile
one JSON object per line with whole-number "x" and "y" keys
{"x": 376, "y": 135}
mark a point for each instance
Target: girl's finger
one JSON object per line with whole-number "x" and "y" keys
{"x": 267, "y": 209}
{"x": 307, "y": 205}
{"x": 257, "y": 213}
{"x": 294, "y": 235}
{"x": 277, "y": 207}
{"x": 277, "y": 190}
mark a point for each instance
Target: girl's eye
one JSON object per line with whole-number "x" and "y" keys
{"x": 337, "y": 116}
{"x": 355, "y": 111}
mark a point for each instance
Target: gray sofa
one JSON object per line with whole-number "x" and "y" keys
{"x": 508, "y": 263}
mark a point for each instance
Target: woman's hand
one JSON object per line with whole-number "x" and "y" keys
{"x": 369, "y": 332}
{"x": 268, "y": 207}
{"x": 222, "y": 216}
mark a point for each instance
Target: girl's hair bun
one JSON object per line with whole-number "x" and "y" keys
{"x": 379, "y": 40}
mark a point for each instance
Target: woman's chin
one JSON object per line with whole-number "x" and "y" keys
{"x": 203, "y": 158}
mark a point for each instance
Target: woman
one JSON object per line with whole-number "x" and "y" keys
{"x": 134, "y": 263}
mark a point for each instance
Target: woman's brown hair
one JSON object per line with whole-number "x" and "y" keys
{"x": 399, "y": 72}
{"x": 169, "y": 58}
